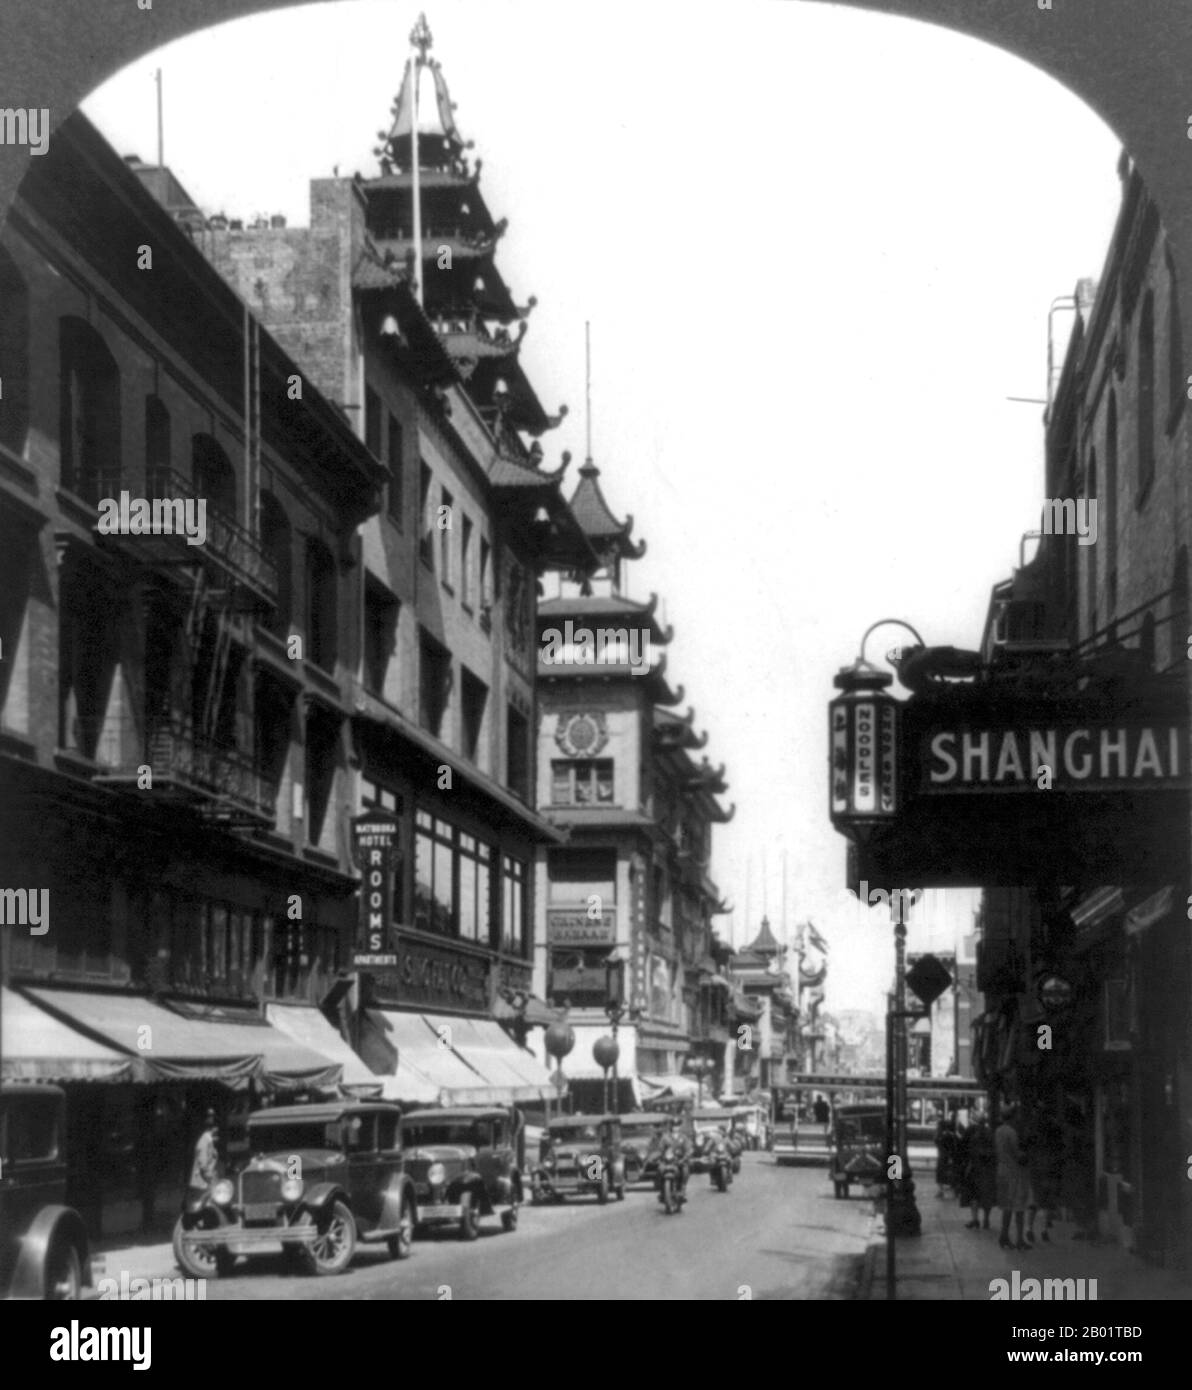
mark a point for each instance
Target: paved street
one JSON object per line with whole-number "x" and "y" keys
{"x": 778, "y": 1230}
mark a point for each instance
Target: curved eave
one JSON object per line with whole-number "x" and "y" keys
{"x": 607, "y": 534}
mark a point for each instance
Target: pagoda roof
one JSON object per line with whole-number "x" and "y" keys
{"x": 439, "y": 142}
{"x": 765, "y": 943}
{"x": 678, "y": 730}
{"x": 606, "y": 533}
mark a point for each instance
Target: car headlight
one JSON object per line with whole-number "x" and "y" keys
{"x": 548, "y": 1161}
{"x": 291, "y": 1189}
{"x": 436, "y": 1175}
{"x": 222, "y": 1193}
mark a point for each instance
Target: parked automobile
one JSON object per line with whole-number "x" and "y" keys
{"x": 580, "y": 1154}
{"x": 638, "y": 1130}
{"x": 44, "y": 1249}
{"x": 463, "y": 1163}
{"x": 752, "y": 1122}
{"x": 320, "y": 1179}
{"x": 858, "y": 1145}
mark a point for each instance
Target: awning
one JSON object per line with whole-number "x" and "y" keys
{"x": 429, "y": 1069}
{"x": 510, "y": 1073}
{"x": 164, "y": 1046}
{"x": 307, "y": 1025}
{"x": 36, "y": 1047}
{"x": 683, "y": 1087}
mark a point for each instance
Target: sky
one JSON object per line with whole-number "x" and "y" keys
{"x": 817, "y": 248}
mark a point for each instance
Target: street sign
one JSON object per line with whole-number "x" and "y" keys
{"x": 928, "y": 978}
{"x": 374, "y": 844}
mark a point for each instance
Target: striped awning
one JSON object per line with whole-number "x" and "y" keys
{"x": 36, "y": 1047}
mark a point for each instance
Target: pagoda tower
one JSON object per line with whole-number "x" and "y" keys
{"x": 428, "y": 177}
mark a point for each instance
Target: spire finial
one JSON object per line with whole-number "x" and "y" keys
{"x": 421, "y": 38}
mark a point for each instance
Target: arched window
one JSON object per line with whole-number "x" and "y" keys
{"x": 1107, "y": 520}
{"x": 321, "y": 602}
{"x": 213, "y": 476}
{"x": 277, "y": 542}
{"x": 89, "y": 412}
{"x": 14, "y": 355}
{"x": 1175, "y": 346}
{"x": 1146, "y": 393}
{"x": 157, "y": 448}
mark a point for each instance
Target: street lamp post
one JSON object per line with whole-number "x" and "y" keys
{"x": 614, "y": 1007}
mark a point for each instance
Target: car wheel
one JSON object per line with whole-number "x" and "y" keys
{"x": 509, "y": 1218}
{"x": 196, "y": 1260}
{"x": 334, "y": 1244}
{"x": 401, "y": 1244}
{"x": 602, "y": 1190}
{"x": 469, "y": 1221}
{"x": 64, "y": 1272}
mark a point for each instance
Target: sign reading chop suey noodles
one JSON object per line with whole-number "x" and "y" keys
{"x": 1093, "y": 756}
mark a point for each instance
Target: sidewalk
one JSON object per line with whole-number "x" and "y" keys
{"x": 948, "y": 1262}
{"x": 139, "y": 1255}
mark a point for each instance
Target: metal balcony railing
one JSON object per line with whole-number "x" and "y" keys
{"x": 224, "y": 782}
{"x": 227, "y": 544}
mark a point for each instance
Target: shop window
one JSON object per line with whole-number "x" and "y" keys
{"x": 582, "y": 782}
{"x": 576, "y": 875}
{"x": 513, "y": 916}
{"x": 577, "y": 977}
{"x": 517, "y": 753}
{"x": 89, "y": 412}
{"x": 452, "y": 880}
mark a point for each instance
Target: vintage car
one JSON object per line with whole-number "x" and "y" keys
{"x": 858, "y": 1145}
{"x": 463, "y": 1163}
{"x": 44, "y": 1250}
{"x": 706, "y": 1125}
{"x": 580, "y": 1154}
{"x": 320, "y": 1179}
{"x": 639, "y": 1129}
{"x": 752, "y": 1124}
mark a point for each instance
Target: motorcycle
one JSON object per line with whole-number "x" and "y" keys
{"x": 720, "y": 1164}
{"x": 670, "y": 1181}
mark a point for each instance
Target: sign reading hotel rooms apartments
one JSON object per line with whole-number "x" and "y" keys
{"x": 1090, "y": 756}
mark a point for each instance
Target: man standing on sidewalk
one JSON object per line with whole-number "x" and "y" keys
{"x": 206, "y": 1164}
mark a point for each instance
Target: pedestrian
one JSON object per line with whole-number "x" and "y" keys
{"x": 978, "y": 1189}
{"x": 946, "y": 1140}
{"x": 1013, "y": 1179}
{"x": 1045, "y": 1162}
{"x": 206, "y": 1167}
{"x": 823, "y": 1113}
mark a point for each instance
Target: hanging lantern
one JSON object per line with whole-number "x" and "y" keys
{"x": 606, "y": 1052}
{"x": 863, "y": 742}
{"x": 559, "y": 1039}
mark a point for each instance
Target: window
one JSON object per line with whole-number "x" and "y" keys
{"x": 273, "y": 711}
{"x": 475, "y": 888}
{"x": 581, "y": 782}
{"x": 473, "y": 699}
{"x": 322, "y": 758}
{"x": 157, "y": 447}
{"x": 465, "y": 563}
{"x": 277, "y": 541}
{"x": 517, "y": 753}
{"x": 321, "y": 603}
{"x": 452, "y": 880}
{"x": 444, "y": 522}
{"x": 381, "y": 612}
{"x": 394, "y": 458}
{"x": 212, "y": 473}
{"x": 513, "y": 914}
{"x": 1176, "y": 386}
{"x": 434, "y": 685}
{"x": 1091, "y": 558}
{"x": 486, "y": 583}
{"x": 89, "y": 412}
{"x": 87, "y": 655}
{"x": 1108, "y": 512}
{"x": 1146, "y": 394}
{"x": 372, "y": 422}
{"x": 426, "y": 541}
{"x": 14, "y": 355}
{"x": 378, "y": 797}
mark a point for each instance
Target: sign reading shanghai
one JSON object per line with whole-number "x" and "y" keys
{"x": 1063, "y": 757}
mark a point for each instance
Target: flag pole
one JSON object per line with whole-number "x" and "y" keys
{"x": 419, "y": 41}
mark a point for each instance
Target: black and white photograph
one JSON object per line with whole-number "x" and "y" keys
{"x": 595, "y": 630}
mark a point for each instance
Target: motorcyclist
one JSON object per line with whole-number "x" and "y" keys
{"x": 674, "y": 1134}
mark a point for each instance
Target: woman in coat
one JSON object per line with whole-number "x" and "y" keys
{"x": 980, "y": 1173}
{"x": 1013, "y": 1178}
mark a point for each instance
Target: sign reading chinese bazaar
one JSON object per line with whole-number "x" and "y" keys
{"x": 1092, "y": 756}
{"x": 581, "y": 927}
